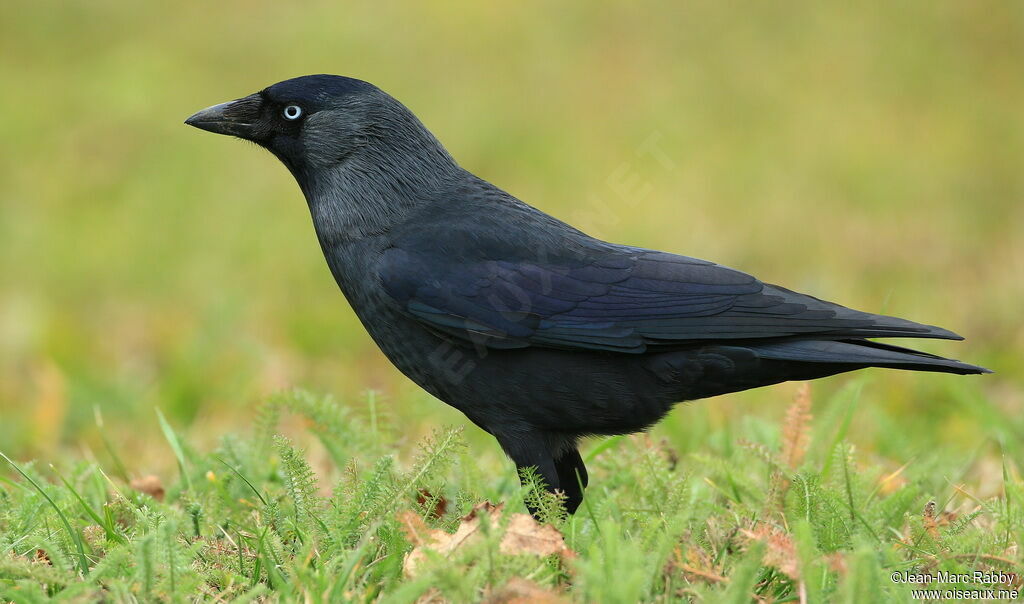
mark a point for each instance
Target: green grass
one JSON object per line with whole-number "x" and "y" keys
{"x": 776, "y": 511}
{"x": 869, "y": 155}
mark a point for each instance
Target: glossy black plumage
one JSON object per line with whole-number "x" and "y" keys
{"x": 539, "y": 333}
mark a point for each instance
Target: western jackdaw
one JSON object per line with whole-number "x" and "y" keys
{"x": 537, "y": 332}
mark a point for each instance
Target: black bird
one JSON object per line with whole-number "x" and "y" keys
{"x": 539, "y": 333}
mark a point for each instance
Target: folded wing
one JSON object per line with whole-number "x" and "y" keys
{"x": 612, "y": 298}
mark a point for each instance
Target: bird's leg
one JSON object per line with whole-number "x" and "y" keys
{"x": 548, "y": 475}
{"x": 572, "y": 475}
{"x": 533, "y": 453}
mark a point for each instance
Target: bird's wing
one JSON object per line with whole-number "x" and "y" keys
{"x": 607, "y": 297}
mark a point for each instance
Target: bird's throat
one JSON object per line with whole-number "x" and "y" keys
{"x": 362, "y": 197}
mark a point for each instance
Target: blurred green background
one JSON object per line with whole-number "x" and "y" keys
{"x": 872, "y": 155}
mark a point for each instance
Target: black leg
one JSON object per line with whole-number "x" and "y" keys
{"x": 533, "y": 453}
{"x": 565, "y": 474}
{"x": 572, "y": 476}
{"x": 548, "y": 475}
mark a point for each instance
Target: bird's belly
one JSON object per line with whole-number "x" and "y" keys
{"x": 577, "y": 392}
{"x": 572, "y": 392}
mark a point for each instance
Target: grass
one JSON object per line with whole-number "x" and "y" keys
{"x": 779, "y": 511}
{"x": 868, "y": 155}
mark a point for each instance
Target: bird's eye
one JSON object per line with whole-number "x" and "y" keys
{"x": 292, "y": 112}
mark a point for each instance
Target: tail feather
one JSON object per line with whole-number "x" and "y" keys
{"x": 863, "y": 353}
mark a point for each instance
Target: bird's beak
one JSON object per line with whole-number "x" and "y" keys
{"x": 234, "y": 118}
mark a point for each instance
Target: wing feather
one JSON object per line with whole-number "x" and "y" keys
{"x": 612, "y": 298}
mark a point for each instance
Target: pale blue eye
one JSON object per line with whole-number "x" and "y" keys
{"x": 292, "y": 112}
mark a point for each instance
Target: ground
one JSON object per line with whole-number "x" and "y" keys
{"x": 866, "y": 155}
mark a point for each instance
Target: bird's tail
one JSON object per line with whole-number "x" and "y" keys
{"x": 862, "y": 353}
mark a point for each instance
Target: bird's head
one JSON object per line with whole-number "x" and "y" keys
{"x": 362, "y": 159}
{"x": 317, "y": 122}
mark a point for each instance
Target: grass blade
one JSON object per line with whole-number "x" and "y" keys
{"x": 172, "y": 439}
{"x": 244, "y": 479}
{"x": 74, "y": 536}
{"x": 108, "y": 528}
